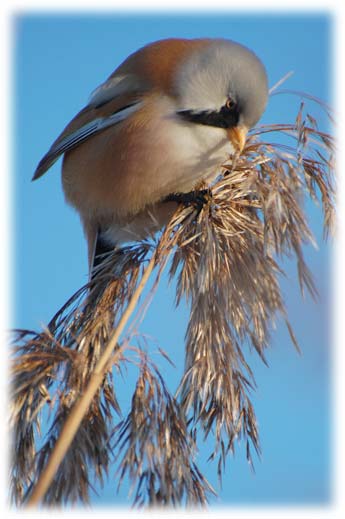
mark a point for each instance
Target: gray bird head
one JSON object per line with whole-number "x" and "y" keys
{"x": 223, "y": 84}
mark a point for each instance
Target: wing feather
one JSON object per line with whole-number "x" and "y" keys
{"x": 115, "y": 86}
{"x": 111, "y": 103}
{"x": 75, "y": 138}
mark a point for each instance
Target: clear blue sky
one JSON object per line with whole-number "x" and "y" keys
{"x": 58, "y": 61}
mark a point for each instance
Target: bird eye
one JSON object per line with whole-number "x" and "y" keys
{"x": 230, "y": 103}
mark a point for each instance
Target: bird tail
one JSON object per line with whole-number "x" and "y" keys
{"x": 100, "y": 252}
{"x": 102, "y": 249}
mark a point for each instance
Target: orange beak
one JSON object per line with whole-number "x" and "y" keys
{"x": 237, "y": 136}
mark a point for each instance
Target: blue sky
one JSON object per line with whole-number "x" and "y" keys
{"x": 58, "y": 61}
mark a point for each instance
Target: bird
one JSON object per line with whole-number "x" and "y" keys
{"x": 160, "y": 125}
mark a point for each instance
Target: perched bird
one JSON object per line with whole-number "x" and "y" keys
{"x": 164, "y": 121}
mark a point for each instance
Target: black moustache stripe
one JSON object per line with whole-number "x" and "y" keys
{"x": 224, "y": 118}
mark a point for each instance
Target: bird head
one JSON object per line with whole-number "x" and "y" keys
{"x": 222, "y": 84}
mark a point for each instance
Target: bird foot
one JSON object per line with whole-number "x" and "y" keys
{"x": 197, "y": 198}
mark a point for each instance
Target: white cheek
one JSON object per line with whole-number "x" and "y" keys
{"x": 202, "y": 146}
{"x": 194, "y": 142}
{"x": 196, "y": 154}
{"x": 207, "y": 138}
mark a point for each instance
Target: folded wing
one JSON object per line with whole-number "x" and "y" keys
{"x": 112, "y": 102}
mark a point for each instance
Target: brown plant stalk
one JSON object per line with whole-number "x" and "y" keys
{"x": 82, "y": 405}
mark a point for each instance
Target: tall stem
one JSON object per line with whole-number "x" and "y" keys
{"x": 80, "y": 408}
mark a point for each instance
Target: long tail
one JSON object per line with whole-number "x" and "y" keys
{"x": 101, "y": 249}
{"x": 98, "y": 258}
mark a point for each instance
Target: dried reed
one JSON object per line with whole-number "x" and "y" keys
{"x": 225, "y": 256}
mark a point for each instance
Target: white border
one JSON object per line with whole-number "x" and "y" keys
{"x": 290, "y": 6}
{"x": 7, "y": 9}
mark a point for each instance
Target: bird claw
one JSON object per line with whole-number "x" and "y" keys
{"x": 197, "y": 198}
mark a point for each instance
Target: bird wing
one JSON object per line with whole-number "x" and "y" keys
{"x": 112, "y": 102}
